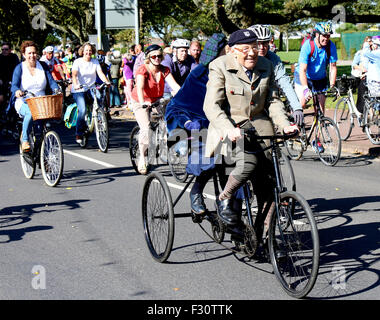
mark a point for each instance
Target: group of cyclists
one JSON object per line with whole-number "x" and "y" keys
{"x": 228, "y": 86}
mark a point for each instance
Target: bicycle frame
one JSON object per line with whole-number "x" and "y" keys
{"x": 352, "y": 106}
{"x": 36, "y": 142}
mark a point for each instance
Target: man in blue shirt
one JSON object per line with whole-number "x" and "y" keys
{"x": 264, "y": 35}
{"x": 316, "y": 54}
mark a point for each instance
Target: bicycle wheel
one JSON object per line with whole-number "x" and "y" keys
{"x": 295, "y": 147}
{"x": 101, "y": 130}
{"x": 51, "y": 158}
{"x": 343, "y": 118}
{"x": 294, "y": 245}
{"x": 28, "y": 165}
{"x": 372, "y": 124}
{"x": 287, "y": 174}
{"x": 177, "y": 163}
{"x": 327, "y": 133}
{"x": 134, "y": 151}
{"x": 158, "y": 217}
{"x": 162, "y": 142}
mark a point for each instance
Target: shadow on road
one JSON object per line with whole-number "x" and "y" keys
{"x": 350, "y": 252}
{"x": 16, "y": 215}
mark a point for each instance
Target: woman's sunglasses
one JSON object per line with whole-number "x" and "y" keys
{"x": 156, "y": 56}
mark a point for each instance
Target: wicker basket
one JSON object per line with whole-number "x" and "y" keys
{"x": 46, "y": 107}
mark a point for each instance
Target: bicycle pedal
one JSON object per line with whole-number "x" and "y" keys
{"x": 197, "y": 218}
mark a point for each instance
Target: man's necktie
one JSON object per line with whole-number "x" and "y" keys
{"x": 249, "y": 74}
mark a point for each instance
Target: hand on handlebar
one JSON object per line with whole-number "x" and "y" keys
{"x": 298, "y": 117}
{"x": 146, "y": 104}
{"x": 192, "y": 125}
{"x": 307, "y": 94}
{"x": 234, "y": 134}
{"x": 57, "y": 91}
{"x": 19, "y": 93}
{"x": 291, "y": 130}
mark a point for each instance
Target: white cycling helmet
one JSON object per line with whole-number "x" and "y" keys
{"x": 49, "y": 49}
{"x": 181, "y": 43}
{"x": 263, "y": 33}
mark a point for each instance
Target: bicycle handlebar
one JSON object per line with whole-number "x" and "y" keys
{"x": 253, "y": 134}
{"x": 161, "y": 101}
{"x": 26, "y": 92}
{"x": 94, "y": 86}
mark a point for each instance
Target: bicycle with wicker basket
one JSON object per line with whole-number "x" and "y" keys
{"x": 45, "y": 145}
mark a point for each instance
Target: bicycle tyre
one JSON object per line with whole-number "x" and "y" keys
{"x": 51, "y": 158}
{"x": 293, "y": 243}
{"x": 294, "y": 147}
{"x": 287, "y": 172}
{"x": 372, "y": 125}
{"x": 28, "y": 165}
{"x": 343, "y": 118}
{"x": 90, "y": 120}
{"x": 158, "y": 217}
{"x": 327, "y": 133}
{"x": 177, "y": 164}
{"x": 134, "y": 152}
{"x": 162, "y": 142}
{"x": 101, "y": 130}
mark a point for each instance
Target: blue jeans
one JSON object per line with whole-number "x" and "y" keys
{"x": 27, "y": 122}
{"x": 81, "y": 98}
{"x": 114, "y": 93}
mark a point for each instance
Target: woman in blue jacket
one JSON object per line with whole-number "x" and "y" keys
{"x": 185, "y": 111}
{"x": 33, "y": 76}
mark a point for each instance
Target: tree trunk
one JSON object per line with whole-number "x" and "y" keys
{"x": 281, "y": 41}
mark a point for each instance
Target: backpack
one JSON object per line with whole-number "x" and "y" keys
{"x": 71, "y": 115}
{"x": 327, "y": 49}
{"x": 308, "y": 37}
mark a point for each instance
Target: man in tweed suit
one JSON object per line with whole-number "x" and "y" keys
{"x": 241, "y": 93}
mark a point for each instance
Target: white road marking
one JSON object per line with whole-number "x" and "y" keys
{"x": 108, "y": 165}
{"x": 179, "y": 187}
{"x": 102, "y": 163}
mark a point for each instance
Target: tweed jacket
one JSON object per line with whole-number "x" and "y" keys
{"x": 232, "y": 98}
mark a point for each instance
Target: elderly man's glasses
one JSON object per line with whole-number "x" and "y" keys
{"x": 159, "y": 56}
{"x": 5, "y": 49}
{"x": 246, "y": 49}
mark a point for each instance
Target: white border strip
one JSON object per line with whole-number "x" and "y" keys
{"x": 105, "y": 164}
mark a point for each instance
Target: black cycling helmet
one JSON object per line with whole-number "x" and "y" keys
{"x": 152, "y": 47}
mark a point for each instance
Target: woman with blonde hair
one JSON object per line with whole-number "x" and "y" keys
{"x": 149, "y": 87}
{"x": 84, "y": 74}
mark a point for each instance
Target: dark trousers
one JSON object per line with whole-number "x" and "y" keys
{"x": 362, "y": 89}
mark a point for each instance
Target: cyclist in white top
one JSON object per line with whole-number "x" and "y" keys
{"x": 84, "y": 74}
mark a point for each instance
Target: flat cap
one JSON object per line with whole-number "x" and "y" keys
{"x": 242, "y": 36}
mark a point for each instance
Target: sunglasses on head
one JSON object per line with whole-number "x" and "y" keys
{"x": 156, "y": 56}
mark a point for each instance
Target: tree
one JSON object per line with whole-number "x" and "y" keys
{"x": 181, "y": 18}
{"x": 235, "y": 14}
{"x": 71, "y": 17}
{"x": 16, "y": 24}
